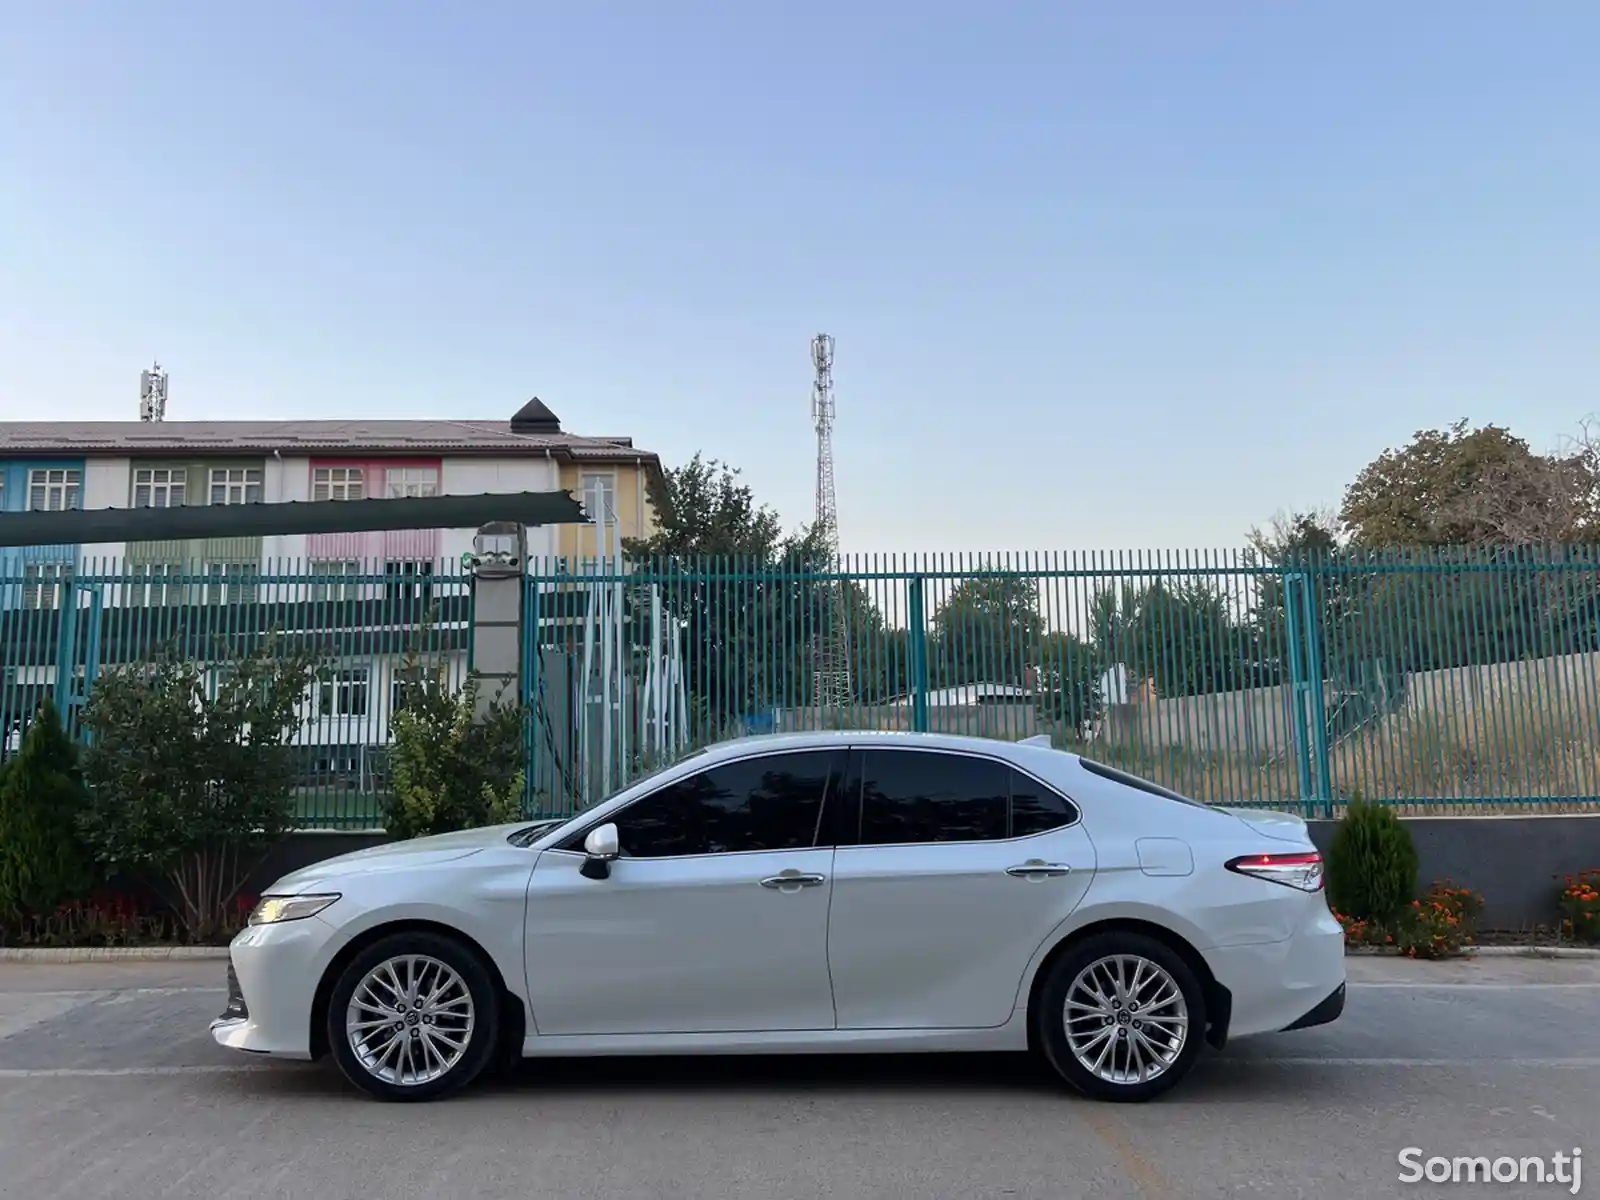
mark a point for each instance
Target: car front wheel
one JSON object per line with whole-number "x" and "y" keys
{"x": 1121, "y": 1017}
{"x": 414, "y": 1016}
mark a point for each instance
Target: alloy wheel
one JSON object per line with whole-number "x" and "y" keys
{"x": 1125, "y": 1019}
{"x": 410, "y": 1020}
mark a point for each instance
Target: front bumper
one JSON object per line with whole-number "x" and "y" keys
{"x": 273, "y": 972}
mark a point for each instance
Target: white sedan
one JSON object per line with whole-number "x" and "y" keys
{"x": 808, "y": 893}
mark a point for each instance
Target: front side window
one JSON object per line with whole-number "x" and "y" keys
{"x": 406, "y": 482}
{"x": 160, "y": 487}
{"x": 773, "y": 802}
{"x": 910, "y": 796}
{"x": 54, "y": 489}
{"x": 338, "y": 483}
{"x": 236, "y": 485}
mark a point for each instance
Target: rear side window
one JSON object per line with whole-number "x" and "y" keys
{"x": 1133, "y": 781}
{"x": 1036, "y": 808}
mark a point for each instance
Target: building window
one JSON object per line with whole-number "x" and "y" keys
{"x": 345, "y": 694}
{"x": 336, "y": 580}
{"x": 155, "y": 584}
{"x": 600, "y": 497}
{"x": 44, "y": 585}
{"x": 159, "y": 487}
{"x": 54, "y": 490}
{"x": 231, "y": 583}
{"x": 403, "y": 483}
{"x": 338, "y": 483}
{"x": 408, "y": 582}
{"x": 236, "y": 485}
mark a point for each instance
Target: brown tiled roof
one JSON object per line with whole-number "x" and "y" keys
{"x": 306, "y": 437}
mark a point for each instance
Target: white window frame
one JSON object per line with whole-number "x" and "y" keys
{"x": 338, "y": 483}
{"x": 163, "y": 487}
{"x": 236, "y": 485}
{"x": 54, "y": 489}
{"x": 333, "y": 580}
{"x": 407, "y": 580}
{"x": 44, "y": 585}
{"x": 604, "y": 483}
{"x": 223, "y": 585}
{"x": 155, "y": 584}
{"x": 337, "y": 695}
{"x": 401, "y": 483}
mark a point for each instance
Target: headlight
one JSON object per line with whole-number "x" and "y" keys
{"x": 274, "y": 909}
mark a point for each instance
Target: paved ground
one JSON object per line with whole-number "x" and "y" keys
{"x": 110, "y": 1086}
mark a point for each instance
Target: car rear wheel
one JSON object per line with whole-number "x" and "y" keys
{"x": 414, "y": 1016}
{"x": 1121, "y": 1017}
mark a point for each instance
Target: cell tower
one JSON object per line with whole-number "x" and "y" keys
{"x": 831, "y": 662}
{"x": 153, "y": 394}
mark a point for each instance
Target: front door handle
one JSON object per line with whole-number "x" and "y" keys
{"x": 792, "y": 881}
{"x": 1038, "y": 869}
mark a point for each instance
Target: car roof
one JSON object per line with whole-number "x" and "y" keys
{"x": 902, "y": 739}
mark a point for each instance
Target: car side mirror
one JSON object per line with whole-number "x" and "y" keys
{"x": 599, "y": 849}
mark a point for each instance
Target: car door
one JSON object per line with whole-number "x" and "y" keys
{"x": 958, "y": 868}
{"x": 714, "y": 917}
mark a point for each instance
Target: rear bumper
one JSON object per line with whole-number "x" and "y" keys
{"x": 1324, "y": 1013}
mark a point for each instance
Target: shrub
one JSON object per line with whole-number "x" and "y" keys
{"x": 449, "y": 769}
{"x": 43, "y": 859}
{"x": 1579, "y": 901}
{"x": 190, "y": 773}
{"x": 1439, "y": 924}
{"x": 1372, "y": 864}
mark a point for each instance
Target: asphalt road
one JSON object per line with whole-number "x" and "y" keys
{"x": 111, "y": 1086}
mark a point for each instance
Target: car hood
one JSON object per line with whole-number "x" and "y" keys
{"x": 1283, "y": 826}
{"x": 396, "y": 856}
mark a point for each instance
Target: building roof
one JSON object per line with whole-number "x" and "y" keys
{"x": 308, "y": 437}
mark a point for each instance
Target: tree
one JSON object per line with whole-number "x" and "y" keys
{"x": 744, "y": 592}
{"x": 987, "y": 630}
{"x": 1466, "y": 487}
{"x": 43, "y": 860}
{"x": 1183, "y": 636}
{"x": 191, "y": 773}
{"x": 449, "y": 770}
{"x": 1069, "y": 680}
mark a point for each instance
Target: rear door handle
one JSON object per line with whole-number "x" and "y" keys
{"x": 792, "y": 881}
{"x": 1039, "y": 870}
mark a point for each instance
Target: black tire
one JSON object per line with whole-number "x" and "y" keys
{"x": 1050, "y": 1022}
{"x": 481, "y": 1042}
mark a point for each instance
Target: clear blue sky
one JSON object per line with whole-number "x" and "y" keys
{"x": 1101, "y": 275}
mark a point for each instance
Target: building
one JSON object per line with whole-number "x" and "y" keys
{"x": 55, "y": 465}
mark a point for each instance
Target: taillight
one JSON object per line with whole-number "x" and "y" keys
{"x": 1302, "y": 870}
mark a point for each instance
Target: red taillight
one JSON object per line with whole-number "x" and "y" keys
{"x": 1302, "y": 870}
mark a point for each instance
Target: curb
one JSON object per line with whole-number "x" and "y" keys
{"x": 1532, "y": 952}
{"x": 94, "y": 954}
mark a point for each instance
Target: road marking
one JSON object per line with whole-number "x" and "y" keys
{"x": 1352, "y": 985}
{"x": 1309, "y": 1060}
{"x": 1135, "y": 1165}
{"x": 134, "y": 1072}
{"x": 147, "y": 991}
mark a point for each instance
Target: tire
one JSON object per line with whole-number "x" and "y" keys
{"x": 428, "y": 1052}
{"x": 1151, "y": 1033}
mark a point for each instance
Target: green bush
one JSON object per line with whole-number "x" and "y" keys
{"x": 191, "y": 773}
{"x": 43, "y": 860}
{"x": 450, "y": 769}
{"x": 1372, "y": 864}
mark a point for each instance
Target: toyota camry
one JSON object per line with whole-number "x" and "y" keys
{"x": 806, "y": 893}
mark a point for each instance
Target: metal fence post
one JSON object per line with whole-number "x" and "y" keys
{"x": 918, "y": 628}
{"x": 1312, "y": 626}
{"x": 1293, "y": 585}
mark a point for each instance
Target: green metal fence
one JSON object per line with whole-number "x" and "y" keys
{"x": 1447, "y": 681}
{"x": 1451, "y": 680}
{"x": 62, "y": 627}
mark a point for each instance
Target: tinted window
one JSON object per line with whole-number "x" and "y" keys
{"x": 1133, "y": 781}
{"x": 925, "y": 796}
{"x": 1036, "y": 808}
{"x": 767, "y": 803}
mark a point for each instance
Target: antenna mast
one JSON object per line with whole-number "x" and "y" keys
{"x": 831, "y": 648}
{"x": 153, "y": 394}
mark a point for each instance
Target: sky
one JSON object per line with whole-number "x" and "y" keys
{"x": 1101, "y": 276}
